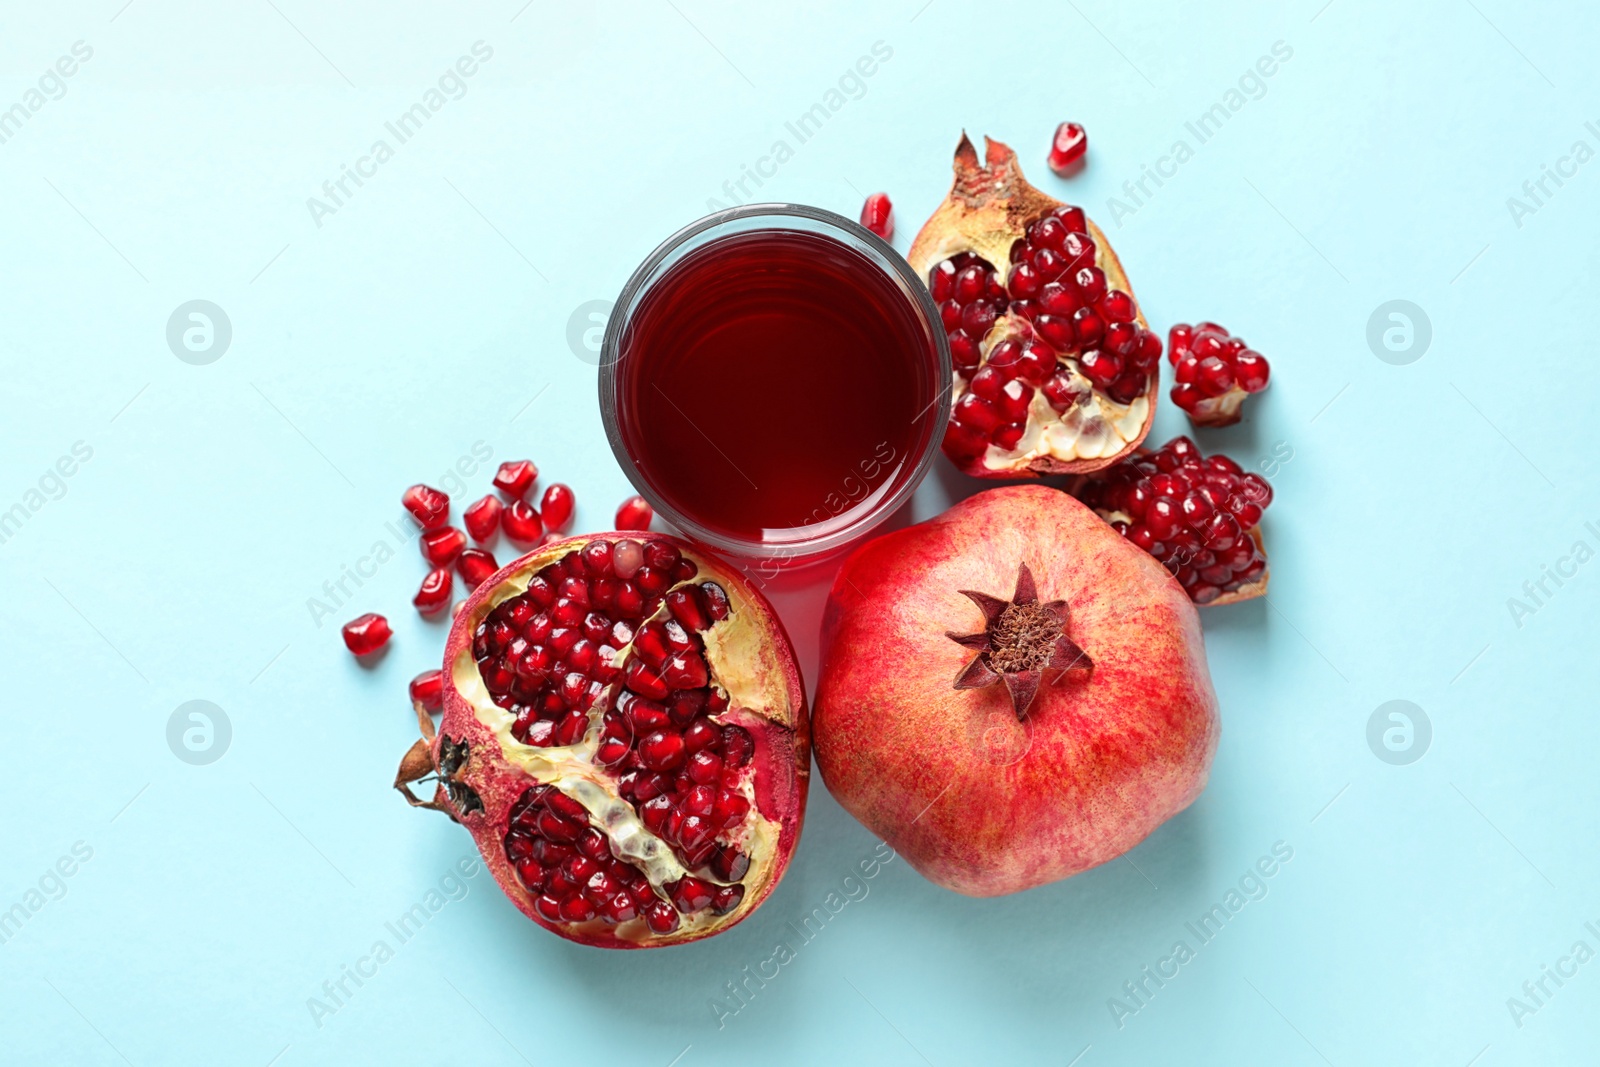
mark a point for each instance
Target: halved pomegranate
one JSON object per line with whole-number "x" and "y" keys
{"x": 1200, "y": 516}
{"x": 1056, "y": 370}
{"x": 625, "y": 735}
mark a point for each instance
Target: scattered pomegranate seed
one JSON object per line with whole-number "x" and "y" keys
{"x": 482, "y": 517}
{"x": 635, "y": 513}
{"x": 1067, "y": 148}
{"x": 434, "y": 596}
{"x": 1214, "y": 371}
{"x": 877, "y": 215}
{"x": 366, "y": 634}
{"x": 441, "y": 545}
{"x": 556, "y": 507}
{"x": 522, "y": 523}
{"x": 515, "y": 477}
{"x": 475, "y": 565}
{"x": 1193, "y": 514}
{"x": 429, "y": 506}
{"x": 427, "y": 689}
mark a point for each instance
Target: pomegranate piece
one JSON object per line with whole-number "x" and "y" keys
{"x": 441, "y": 545}
{"x": 1067, "y": 148}
{"x": 668, "y": 808}
{"x": 635, "y": 513}
{"x": 1214, "y": 372}
{"x": 515, "y": 477}
{"x": 556, "y": 507}
{"x": 522, "y": 523}
{"x": 482, "y": 517}
{"x": 434, "y": 595}
{"x": 1056, "y": 370}
{"x": 476, "y": 565}
{"x": 427, "y": 689}
{"x": 877, "y": 215}
{"x": 429, "y": 506}
{"x": 1199, "y": 517}
{"x": 365, "y": 634}
{"x": 1062, "y": 736}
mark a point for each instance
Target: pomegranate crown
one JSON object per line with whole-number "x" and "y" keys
{"x": 1022, "y": 639}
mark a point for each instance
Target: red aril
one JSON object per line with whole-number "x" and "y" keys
{"x": 635, "y": 513}
{"x": 475, "y": 566}
{"x": 1199, "y": 516}
{"x": 556, "y": 507}
{"x": 1215, "y": 371}
{"x": 615, "y": 804}
{"x": 482, "y": 517}
{"x": 427, "y": 505}
{"x": 877, "y": 215}
{"x": 365, "y": 634}
{"x": 434, "y": 595}
{"x": 427, "y": 689}
{"x": 441, "y": 545}
{"x": 1029, "y": 287}
{"x": 522, "y": 523}
{"x": 1067, "y": 148}
{"x": 515, "y": 477}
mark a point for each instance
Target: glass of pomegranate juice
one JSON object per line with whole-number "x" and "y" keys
{"x": 775, "y": 381}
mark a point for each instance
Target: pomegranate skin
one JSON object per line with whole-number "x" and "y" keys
{"x": 769, "y": 702}
{"x": 976, "y": 800}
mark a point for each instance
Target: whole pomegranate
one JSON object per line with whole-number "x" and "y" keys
{"x": 625, "y": 736}
{"x": 1056, "y": 370}
{"x": 1011, "y": 693}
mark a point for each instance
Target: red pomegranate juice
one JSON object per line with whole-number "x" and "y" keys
{"x": 775, "y": 385}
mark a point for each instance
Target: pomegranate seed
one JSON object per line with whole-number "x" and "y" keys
{"x": 877, "y": 215}
{"x": 434, "y": 596}
{"x": 367, "y": 633}
{"x": 557, "y": 506}
{"x": 515, "y": 477}
{"x": 428, "y": 506}
{"x": 475, "y": 566}
{"x": 634, "y": 514}
{"x": 441, "y": 545}
{"x": 521, "y": 522}
{"x": 1067, "y": 147}
{"x": 427, "y": 689}
{"x": 1251, "y": 368}
{"x": 662, "y": 751}
{"x": 690, "y": 894}
{"x": 482, "y": 517}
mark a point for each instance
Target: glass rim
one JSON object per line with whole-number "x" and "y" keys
{"x": 886, "y": 258}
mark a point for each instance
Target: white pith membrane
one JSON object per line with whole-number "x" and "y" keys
{"x": 1095, "y": 427}
{"x": 738, "y": 659}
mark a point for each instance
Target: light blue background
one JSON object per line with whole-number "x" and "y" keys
{"x": 432, "y": 311}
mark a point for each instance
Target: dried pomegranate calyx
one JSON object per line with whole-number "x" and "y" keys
{"x": 1023, "y": 640}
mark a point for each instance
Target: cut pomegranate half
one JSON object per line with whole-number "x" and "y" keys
{"x": 625, "y": 735}
{"x": 1199, "y": 516}
{"x": 1056, "y": 370}
{"x": 1215, "y": 371}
